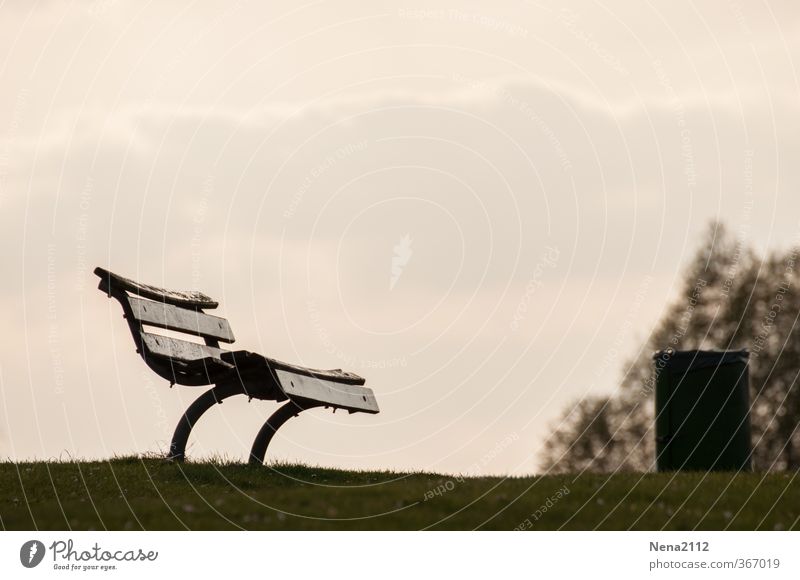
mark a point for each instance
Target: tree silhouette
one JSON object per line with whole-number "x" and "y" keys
{"x": 730, "y": 298}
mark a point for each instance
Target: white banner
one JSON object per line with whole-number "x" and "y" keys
{"x": 354, "y": 555}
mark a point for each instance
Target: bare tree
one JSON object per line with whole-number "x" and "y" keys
{"x": 729, "y": 299}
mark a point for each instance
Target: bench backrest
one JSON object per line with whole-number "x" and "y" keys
{"x": 179, "y": 361}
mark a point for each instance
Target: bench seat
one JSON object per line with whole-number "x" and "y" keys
{"x": 335, "y": 388}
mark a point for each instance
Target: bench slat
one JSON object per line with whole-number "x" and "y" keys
{"x": 188, "y": 298}
{"x": 334, "y": 375}
{"x": 180, "y": 319}
{"x": 350, "y": 397}
{"x": 249, "y": 360}
{"x": 179, "y": 350}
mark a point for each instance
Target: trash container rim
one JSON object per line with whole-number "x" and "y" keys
{"x": 694, "y": 359}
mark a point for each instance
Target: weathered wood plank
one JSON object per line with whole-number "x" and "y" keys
{"x": 251, "y": 360}
{"x": 174, "y": 317}
{"x": 189, "y": 298}
{"x": 179, "y": 350}
{"x": 350, "y": 397}
{"x": 335, "y": 375}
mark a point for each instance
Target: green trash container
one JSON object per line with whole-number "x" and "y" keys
{"x": 702, "y": 410}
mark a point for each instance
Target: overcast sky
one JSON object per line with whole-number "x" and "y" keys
{"x": 482, "y": 209}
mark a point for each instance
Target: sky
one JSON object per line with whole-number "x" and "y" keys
{"x": 481, "y": 207}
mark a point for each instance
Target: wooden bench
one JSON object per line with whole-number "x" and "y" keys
{"x": 184, "y": 362}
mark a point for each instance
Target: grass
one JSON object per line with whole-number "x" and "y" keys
{"x": 152, "y": 494}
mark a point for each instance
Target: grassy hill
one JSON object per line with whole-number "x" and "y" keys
{"x": 135, "y": 494}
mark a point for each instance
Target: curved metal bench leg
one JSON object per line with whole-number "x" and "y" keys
{"x": 177, "y": 449}
{"x": 275, "y": 422}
